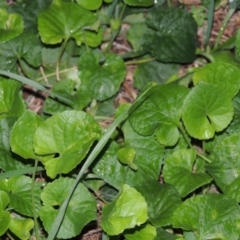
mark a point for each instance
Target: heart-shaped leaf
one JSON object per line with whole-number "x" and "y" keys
{"x": 178, "y": 171}
{"x": 209, "y": 216}
{"x": 168, "y": 40}
{"x": 224, "y": 75}
{"x": 102, "y": 80}
{"x": 69, "y": 135}
{"x": 123, "y": 212}
{"x": 207, "y": 109}
{"x": 160, "y": 114}
{"x": 11, "y": 25}
{"x": 63, "y": 26}
{"x": 80, "y": 211}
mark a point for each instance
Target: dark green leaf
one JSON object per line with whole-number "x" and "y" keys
{"x": 171, "y": 36}
{"x": 160, "y": 114}
{"x": 207, "y": 109}
{"x": 162, "y": 201}
{"x": 179, "y": 171}
{"x": 139, "y": 3}
{"x": 81, "y": 208}
{"x": 209, "y": 216}
{"x": 69, "y": 135}
{"x": 102, "y": 80}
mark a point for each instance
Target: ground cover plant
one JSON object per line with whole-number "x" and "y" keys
{"x": 164, "y": 166}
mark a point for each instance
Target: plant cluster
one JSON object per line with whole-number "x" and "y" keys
{"x": 168, "y": 166}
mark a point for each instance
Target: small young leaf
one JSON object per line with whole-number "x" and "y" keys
{"x": 21, "y": 227}
{"x": 127, "y": 211}
{"x": 11, "y": 25}
{"x": 178, "y": 171}
{"x": 80, "y": 211}
{"x": 207, "y": 109}
{"x": 69, "y": 135}
{"x": 104, "y": 80}
{"x": 160, "y": 114}
{"x": 22, "y": 134}
{"x": 168, "y": 40}
{"x": 162, "y": 201}
{"x": 126, "y": 155}
{"x": 224, "y": 75}
{"x": 63, "y": 26}
{"x": 91, "y": 5}
{"x": 4, "y": 200}
{"x": 11, "y": 102}
{"x": 209, "y": 216}
{"x": 225, "y": 166}
{"x": 144, "y": 232}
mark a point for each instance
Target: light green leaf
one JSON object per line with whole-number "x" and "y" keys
{"x": 20, "y": 189}
{"x": 102, "y": 80}
{"x": 142, "y": 233}
{"x": 21, "y": 227}
{"x": 8, "y": 160}
{"x": 224, "y": 75}
{"x": 126, "y": 155}
{"x": 4, "y": 200}
{"x": 178, "y": 171}
{"x": 165, "y": 201}
{"x": 11, "y": 102}
{"x": 207, "y": 109}
{"x": 225, "y": 167}
{"x": 63, "y": 26}
{"x": 22, "y": 134}
{"x": 139, "y": 3}
{"x": 127, "y": 211}
{"x": 91, "y": 5}
{"x": 69, "y": 135}
{"x": 168, "y": 40}
{"x": 80, "y": 211}
{"x": 233, "y": 190}
{"x": 209, "y": 216}
{"x": 153, "y": 71}
{"x": 11, "y": 25}
{"x": 5, "y": 219}
{"x": 160, "y": 114}
{"x": 149, "y": 154}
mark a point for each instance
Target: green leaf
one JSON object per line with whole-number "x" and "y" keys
{"x": 142, "y": 233}
{"x": 162, "y": 201}
{"x": 207, "y": 109}
{"x": 24, "y": 47}
{"x": 127, "y": 211}
{"x": 225, "y": 167}
{"x": 4, "y": 200}
{"x": 168, "y": 40}
{"x": 153, "y": 71}
{"x": 103, "y": 80}
{"x": 63, "y": 26}
{"x": 126, "y": 155}
{"x": 5, "y": 219}
{"x": 149, "y": 154}
{"x": 21, "y": 227}
{"x": 233, "y": 190}
{"x": 20, "y": 194}
{"x": 22, "y": 134}
{"x": 11, "y": 25}
{"x": 160, "y": 114}
{"x": 179, "y": 171}
{"x": 165, "y": 235}
{"x": 11, "y": 102}
{"x": 69, "y": 135}
{"x": 8, "y": 160}
{"x": 209, "y": 216}
{"x": 224, "y": 75}
{"x": 80, "y": 211}
{"x": 139, "y": 3}
{"x": 91, "y": 5}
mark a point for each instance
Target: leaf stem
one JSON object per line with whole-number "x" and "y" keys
{"x": 59, "y": 58}
{"x": 182, "y": 130}
{"x": 140, "y": 61}
{"x": 223, "y": 26}
{"x": 98, "y": 148}
{"x": 203, "y": 157}
{"x": 210, "y": 21}
{"x": 33, "y": 201}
